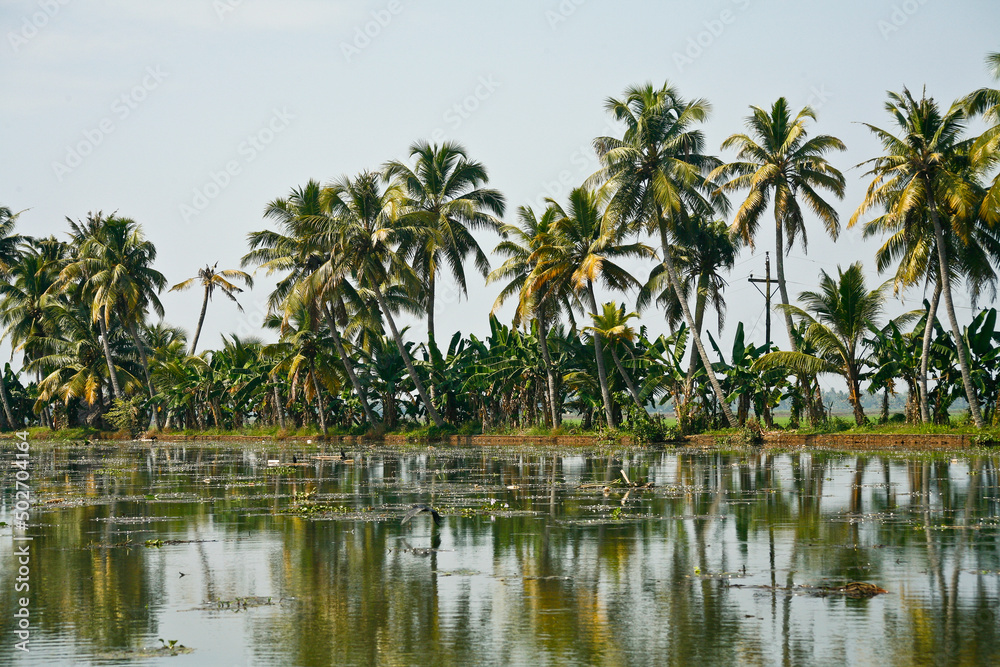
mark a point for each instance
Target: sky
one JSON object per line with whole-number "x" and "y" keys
{"x": 189, "y": 116}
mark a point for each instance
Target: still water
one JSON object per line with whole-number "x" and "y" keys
{"x": 267, "y": 554}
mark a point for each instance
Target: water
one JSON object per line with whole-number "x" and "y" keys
{"x": 722, "y": 561}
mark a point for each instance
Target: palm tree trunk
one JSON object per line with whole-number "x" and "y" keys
{"x": 201, "y": 320}
{"x": 550, "y": 376}
{"x": 602, "y": 373}
{"x": 779, "y": 257}
{"x": 699, "y": 320}
{"x": 112, "y": 374}
{"x": 277, "y": 404}
{"x": 963, "y": 359}
{"x": 668, "y": 264}
{"x": 925, "y": 354}
{"x": 431, "y": 335}
{"x": 628, "y": 381}
{"x": 430, "y": 306}
{"x": 855, "y": 397}
{"x": 431, "y": 412}
{"x": 348, "y": 365}
{"x": 8, "y": 413}
{"x": 145, "y": 369}
{"x": 319, "y": 400}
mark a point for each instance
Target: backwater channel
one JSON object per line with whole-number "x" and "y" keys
{"x": 295, "y": 554}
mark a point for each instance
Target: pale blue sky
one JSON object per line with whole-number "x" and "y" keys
{"x": 189, "y": 116}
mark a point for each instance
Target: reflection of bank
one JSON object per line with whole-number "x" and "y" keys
{"x": 22, "y": 542}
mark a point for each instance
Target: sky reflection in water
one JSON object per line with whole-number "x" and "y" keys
{"x": 718, "y": 562}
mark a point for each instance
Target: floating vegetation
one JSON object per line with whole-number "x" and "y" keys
{"x": 238, "y": 604}
{"x": 279, "y": 470}
{"x": 167, "y": 648}
{"x": 854, "y": 589}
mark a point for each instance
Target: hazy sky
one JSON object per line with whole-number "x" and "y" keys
{"x": 189, "y": 116}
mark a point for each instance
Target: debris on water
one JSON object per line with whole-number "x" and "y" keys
{"x": 854, "y": 589}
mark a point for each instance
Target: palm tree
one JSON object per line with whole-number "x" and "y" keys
{"x": 986, "y": 148}
{"x": 657, "y": 174}
{"x": 911, "y": 247}
{"x": 210, "y": 279}
{"x": 520, "y": 245}
{"x": 367, "y": 234}
{"x": 114, "y": 261}
{"x": 612, "y": 325}
{"x": 777, "y": 161}
{"x": 27, "y": 297}
{"x": 304, "y": 250}
{"x": 9, "y": 255}
{"x": 703, "y": 250}
{"x": 841, "y": 313}
{"x": 580, "y": 253}
{"x": 444, "y": 193}
{"x": 924, "y": 172}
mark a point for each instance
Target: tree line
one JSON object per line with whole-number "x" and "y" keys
{"x": 353, "y": 255}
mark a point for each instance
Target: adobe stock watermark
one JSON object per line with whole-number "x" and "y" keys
{"x": 121, "y": 108}
{"x": 585, "y": 162}
{"x": 223, "y": 7}
{"x": 562, "y": 12}
{"x": 704, "y": 39}
{"x": 365, "y": 34}
{"x": 22, "y": 542}
{"x": 462, "y": 110}
{"x": 35, "y": 23}
{"x": 247, "y": 151}
{"x": 898, "y": 17}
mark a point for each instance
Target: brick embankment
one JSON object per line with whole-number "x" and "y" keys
{"x": 852, "y": 442}
{"x": 842, "y": 441}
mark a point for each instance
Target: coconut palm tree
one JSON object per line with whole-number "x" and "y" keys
{"x": 836, "y": 319}
{"x": 365, "y": 241}
{"x": 113, "y": 260}
{"x": 656, "y": 173}
{"x": 303, "y": 249}
{"x": 776, "y": 161}
{"x": 910, "y": 246}
{"x": 985, "y": 151}
{"x": 925, "y": 172}
{"x": 210, "y": 280}
{"x": 580, "y": 253}
{"x": 520, "y": 245}
{"x": 9, "y": 255}
{"x": 445, "y": 193}
{"x": 703, "y": 249}
{"x": 612, "y": 325}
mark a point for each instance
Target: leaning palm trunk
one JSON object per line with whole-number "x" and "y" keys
{"x": 602, "y": 373}
{"x": 628, "y": 381}
{"x": 925, "y": 354}
{"x": 550, "y": 376}
{"x": 201, "y": 320}
{"x": 145, "y": 369}
{"x": 6, "y": 402}
{"x": 668, "y": 264}
{"x": 431, "y": 411}
{"x": 107, "y": 353}
{"x": 320, "y": 409}
{"x": 348, "y": 366}
{"x": 963, "y": 359}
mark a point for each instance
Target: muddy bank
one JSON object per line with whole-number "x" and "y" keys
{"x": 848, "y": 442}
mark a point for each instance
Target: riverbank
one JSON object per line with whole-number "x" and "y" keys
{"x": 773, "y": 439}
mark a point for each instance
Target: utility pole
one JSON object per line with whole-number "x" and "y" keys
{"x": 767, "y": 293}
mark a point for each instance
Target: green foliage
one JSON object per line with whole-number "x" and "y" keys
{"x": 124, "y": 415}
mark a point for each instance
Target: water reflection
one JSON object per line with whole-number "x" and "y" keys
{"x": 543, "y": 557}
